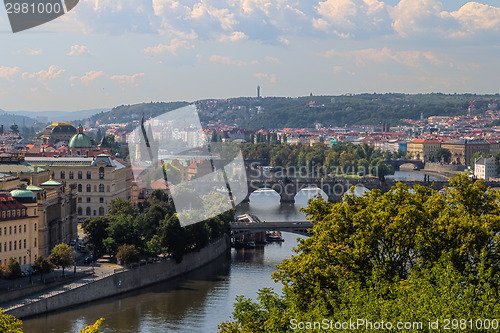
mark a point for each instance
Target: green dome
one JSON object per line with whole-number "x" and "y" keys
{"x": 80, "y": 141}
{"x": 23, "y": 195}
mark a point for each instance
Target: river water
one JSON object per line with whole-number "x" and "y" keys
{"x": 197, "y": 301}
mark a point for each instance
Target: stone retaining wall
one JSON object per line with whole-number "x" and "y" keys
{"x": 125, "y": 281}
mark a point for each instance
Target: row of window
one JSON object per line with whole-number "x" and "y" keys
{"x": 88, "y": 211}
{"x": 89, "y": 188}
{"x": 71, "y": 174}
{"x": 101, "y": 200}
{"x": 16, "y": 228}
{"x": 13, "y": 213}
{"x": 20, "y": 262}
{"x": 21, "y": 243}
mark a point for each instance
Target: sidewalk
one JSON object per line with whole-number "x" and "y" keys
{"x": 100, "y": 272}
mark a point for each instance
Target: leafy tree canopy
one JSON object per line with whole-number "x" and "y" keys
{"x": 406, "y": 255}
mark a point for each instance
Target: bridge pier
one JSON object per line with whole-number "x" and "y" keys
{"x": 286, "y": 191}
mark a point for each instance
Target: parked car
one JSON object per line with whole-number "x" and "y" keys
{"x": 87, "y": 260}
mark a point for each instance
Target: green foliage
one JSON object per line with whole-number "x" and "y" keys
{"x": 11, "y": 269}
{"x": 120, "y": 206}
{"x": 127, "y": 253}
{"x": 10, "y": 324}
{"x": 96, "y": 232}
{"x": 400, "y": 256}
{"x": 43, "y": 265}
{"x": 62, "y": 255}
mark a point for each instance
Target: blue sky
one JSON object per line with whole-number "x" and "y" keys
{"x": 113, "y": 52}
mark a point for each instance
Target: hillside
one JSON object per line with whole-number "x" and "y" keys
{"x": 303, "y": 112}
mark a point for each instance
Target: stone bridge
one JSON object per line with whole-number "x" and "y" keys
{"x": 334, "y": 189}
{"x": 398, "y": 163}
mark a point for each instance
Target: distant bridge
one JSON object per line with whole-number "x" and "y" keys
{"x": 398, "y": 163}
{"x": 300, "y": 228}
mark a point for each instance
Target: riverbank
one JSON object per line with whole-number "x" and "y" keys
{"x": 119, "y": 282}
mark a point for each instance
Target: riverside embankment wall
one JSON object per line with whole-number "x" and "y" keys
{"x": 125, "y": 281}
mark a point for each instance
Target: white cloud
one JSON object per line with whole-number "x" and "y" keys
{"x": 269, "y": 77}
{"x": 7, "y": 72}
{"x": 225, "y": 60}
{"x": 236, "y": 36}
{"x": 346, "y": 18}
{"x": 175, "y": 44}
{"x": 127, "y": 80}
{"x": 273, "y": 60}
{"x": 475, "y": 17}
{"x": 410, "y": 58}
{"x": 44, "y": 76}
{"x": 28, "y": 52}
{"x": 78, "y": 50}
{"x": 88, "y": 78}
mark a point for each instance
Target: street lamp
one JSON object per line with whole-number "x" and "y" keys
{"x": 29, "y": 253}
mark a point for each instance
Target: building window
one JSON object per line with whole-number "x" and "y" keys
{"x": 5, "y": 247}
{"x": 80, "y": 188}
{"x": 5, "y": 231}
{"x": 25, "y": 243}
{"x": 101, "y": 187}
{"x": 88, "y": 211}
{"x": 15, "y": 230}
{"x": 80, "y": 200}
{"x": 18, "y": 212}
{"x": 101, "y": 200}
{"x": 63, "y": 175}
{"x": 89, "y": 188}
{"x": 95, "y": 212}
{"x": 101, "y": 211}
{"x": 8, "y": 214}
{"x": 89, "y": 200}
{"x": 71, "y": 175}
{"x": 80, "y": 175}
{"x": 10, "y": 229}
{"x": 24, "y": 260}
{"x": 10, "y": 246}
{"x": 25, "y": 228}
{"x": 35, "y": 246}
{"x": 35, "y": 256}
{"x": 80, "y": 211}
{"x": 15, "y": 245}
{"x": 20, "y": 247}
{"x": 108, "y": 188}
{"x": 101, "y": 173}
{"x": 0, "y": 231}
{"x": 89, "y": 175}
{"x": 35, "y": 226}
{"x": 3, "y": 215}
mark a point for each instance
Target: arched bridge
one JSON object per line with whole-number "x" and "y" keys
{"x": 334, "y": 189}
{"x": 398, "y": 163}
{"x": 300, "y": 228}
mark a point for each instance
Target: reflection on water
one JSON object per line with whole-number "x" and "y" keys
{"x": 197, "y": 301}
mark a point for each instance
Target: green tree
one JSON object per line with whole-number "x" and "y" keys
{"x": 10, "y": 324}
{"x": 11, "y": 269}
{"x": 443, "y": 155}
{"x": 128, "y": 253}
{"x": 173, "y": 237}
{"x": 120, "y": 206}
{"x": 43, "y": 265}
{"x": 96, "y": 232}
{"x": 62, "y": 255}
{"x": 405, "y": 255}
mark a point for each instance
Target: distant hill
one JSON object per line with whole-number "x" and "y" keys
{"x": 9, "y": 118}
{"x": 305, "y": 112}
{"x": 128, "y": 113}
{"x": 61, "y": 115}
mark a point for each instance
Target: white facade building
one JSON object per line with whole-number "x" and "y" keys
{"x": 485, "y": 168}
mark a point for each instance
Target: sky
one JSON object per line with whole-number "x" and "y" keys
{"x": 106, "y": 53}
